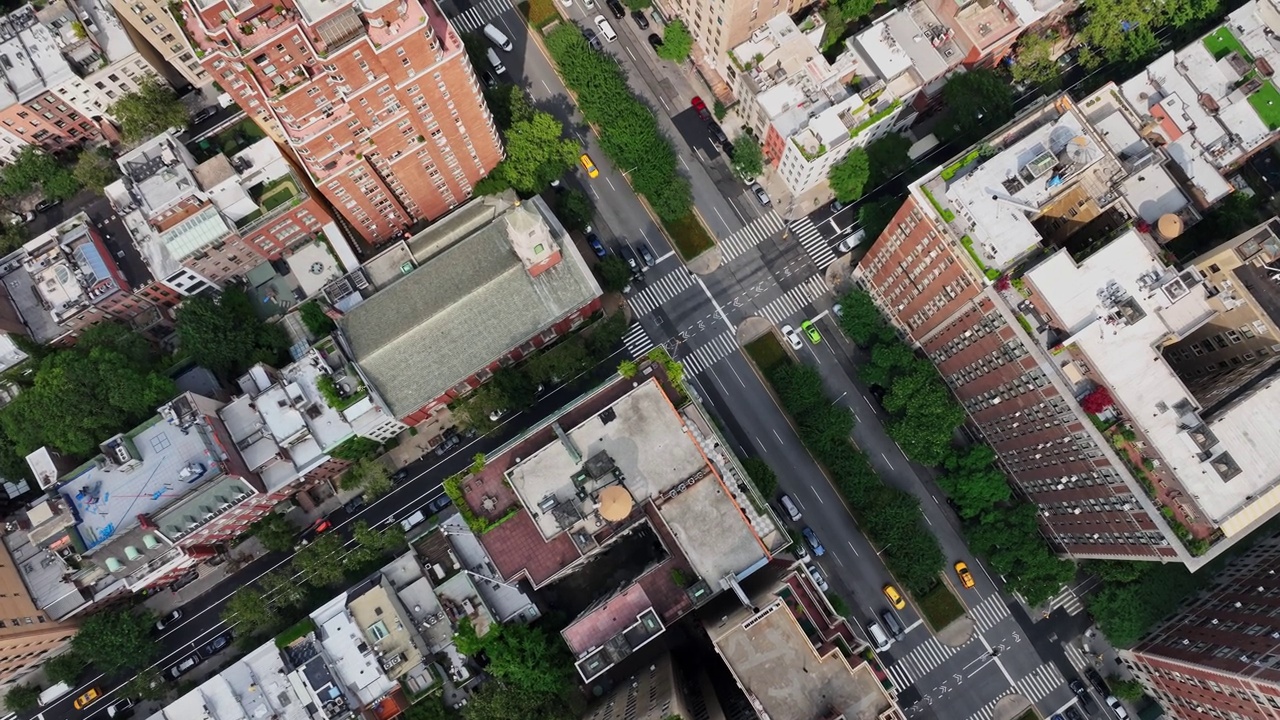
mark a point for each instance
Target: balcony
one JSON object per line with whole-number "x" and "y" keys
{"x": 410, "y": 17}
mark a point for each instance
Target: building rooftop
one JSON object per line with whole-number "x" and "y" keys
{"x": 507, "y": 602}
{"x": 353, "y": 661}
{"x": 463, "y": 309}
{"x": 71, "y": 269}
{"x": 45, "y": 576}
{"x": 1119, "y": 305}
{"x": 258, "y": 685}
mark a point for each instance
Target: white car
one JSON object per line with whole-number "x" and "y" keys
{"x": 816, "y": 574}
{"x": 761, "y": 195}
{"x": 1119, "y": 710}
{"x": 606, "y": 30}
{"x": 851, "y": 242}
{"x": 793, "y": 337}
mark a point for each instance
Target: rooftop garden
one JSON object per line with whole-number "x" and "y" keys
{"x": 990, "y": 273}
{"x": 1222, "y": 42}
{"x": 333, "y": 396}
{"x": 810, "y": 156}
{"x": 229, "y": 141}
{"x": 1266, "y": 102}
{"x": 875, "y": 118}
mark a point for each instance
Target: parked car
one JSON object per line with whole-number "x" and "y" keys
{"x": 815, "y": 544}
{"x": 760, "y": 194}
{"x": 606, "y": 29}
{"x": 592, "y": 41}
{"x": 169, "y": 620}
{"x": 616, "y": 8}
{"x": 811, "y": 331}
{"x": 1095, "y": 679}
{"x": 354, "y": 505}
{"x": 894, "y": 625}
{"x": 87, "y": 698}
{"x": 183, "y": 666}
{"x": 792, "y": 337}
{"x": 1117, "y": 707}
{"x": 203, "y": 114}
{"x": 216, "y": 645}
{"x": 400, "y": 476}
{"x": 1082, "y": 694}
{"x": 489, "y": 80}
{"x": 641, "y": 20}
{"x": 439, "y": 504}
{"x": 497, "y": 414}
{"x": 717, "y": 133}
{"x": 317, "y": 527}
{"x": 120, "y": 708}
{"x": 1073, "y": 713}
{"x": 789, "y": 507}
{"x": 700, "y": 108}
{"x": 646, "y": 255}
{"x": 837, "y": 310}
{"x": 966, "y": 577}
{"x": 46, "y": 205}
{"x": 815, "y": 573}
{"x": 624, "y": 251}
{"x": 596, "y": 246}
{"x": 837, "y": 206}
{"x": 851, "y": 241}
{"x": 655, "y": 40}
{"x": 895, "y": 597}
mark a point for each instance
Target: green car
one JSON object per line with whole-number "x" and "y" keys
{"x": 811, "y": 331}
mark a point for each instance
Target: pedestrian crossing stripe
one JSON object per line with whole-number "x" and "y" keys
{"x": 813, "y": 241}
{"x": 1040, "y": 682}
{"x": 1067, "y": 600}
{"x": 656, "y": 292}
{"x": 794, "y": 300}
{"x": 924, "y": 658}
{"x": 638, "y": 342}
{"x": 989, "y": 612}
{"x": 710, "y": 352}
{"x": 477, "y": 15}
{"x": 750, "y": 235}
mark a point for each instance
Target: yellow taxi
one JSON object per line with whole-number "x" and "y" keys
{"x": 966, "y": 577}
{"x": 895, "y": 598}
{"x": 589, "y": 166}
{"x": 90, "y": 696}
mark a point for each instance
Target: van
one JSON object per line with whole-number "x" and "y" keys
{"x": 879, "y": 639}
{"x": 606, "y": 30}
{"x": 497, "y": 38}
{"x": 789, "y": 507}
{"x": 498, "y": 67}
{"x": 892, "y": 622}
{"x": 53, "y": 692}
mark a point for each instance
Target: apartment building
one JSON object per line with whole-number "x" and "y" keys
{"x": 154, "y": 27}
{"x": 986, "y": 32}
{"x": 810, "y": 113}
{"x": 62, "y": 66}
{"x": 1073, "y": 202}
{"x": 377, "y": 99}
{"x": 27, "y": 634}
{"x": 65, "y": 280}
{"x": 200, "y": 224}
{"x": 1218, "y": 656}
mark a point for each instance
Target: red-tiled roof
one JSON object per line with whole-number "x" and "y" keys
{"x": 517, "y": 547}
{"x": 597, "y": 626}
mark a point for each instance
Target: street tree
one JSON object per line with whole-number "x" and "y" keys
{"x": 924, "y": 413}
{"x": 516, "y": 387}
{"x": 275, "y": 532}
{"x": 114, "y": 641}
{"x": 95, "y": 169}
{"x": 1130, "y": 690}
{"x": 875, "y": 215}
{"x": 1034, "y": 63}
{"x": 605, "y": 336}
{"x": 978, "y": 102}
{"x": 748, "y": 158}
{"x": 34, "y": 171}
{"x": 226, "y": 335}
{"x": 614, "y": 273}
{"x": 677, "y": 43}
{"x": 528, "y": 658}
{"x": 429, "y": 708}
{"x": 148, "y": 111}
{"x": 105, "y": 383}
{"x": 971, "y": 479}
{"x": 146, "y": 685}
{"x": 537, "y": 153}
{"x": 369, "y": 476}
{"x": 1009, "y": 537}
{"x": 887, "y": 156}
{"x": 64, "y": 668}
{"x": 849, "y": 177}
{"x": 638, "y": 4}
{"x": 762, "y": 475}
{"x": 888, "y": 360}
{"x": 320, "y": 562}
{"x": 568, "y": 358}
{"x": 282, "y": 591}
{"x": 504, "y": 700}
{"x": 21, "y": 698}
{"x": 574, "y": 209}
{"x": 861, "y": 319}
{"x": 250, "y": 613}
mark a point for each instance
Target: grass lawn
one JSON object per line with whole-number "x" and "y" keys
{"x": 766, "y": 352}
{"x": 690, "y": 238}
{"x": 1222, "y": 42}
{"x": 940, "y": 607}
{"x": 1266, "y": 102}
{"x": 539, "y": 13}
{"x": 278, "y": 193}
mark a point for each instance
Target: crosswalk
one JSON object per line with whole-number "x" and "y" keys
{"x": 984, "y": 713}
{"x": 656, "y": 292}
{"x": 1067, "y": 600}
{"x": 1040, "y": 682}
{"x": 813, "y": 241}
{"x": 794, "y": 300}
{"x": 750, "y": 235}
{"x": 480, "y": 13}
{"x": 637, "y": 341}
{"x": 989, "y": 613}
{"x": 922, "y": 659}
{"x": 710, "y": 352}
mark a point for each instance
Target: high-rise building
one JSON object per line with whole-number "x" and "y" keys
{"x": 376, "y": 98}
{"x": 154, "y": 27}
{"x": 27, "y": 634}
{"x": 1030, "y": 271}
{"x": 1219, "y": 655}
{"x": 657, "y": 692}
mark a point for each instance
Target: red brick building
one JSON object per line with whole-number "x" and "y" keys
{"x": 377, "y": 99}
{"x": 1219, "y": 656}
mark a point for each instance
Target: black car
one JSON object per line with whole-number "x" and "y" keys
{"x": 655, "y": 40}
{"x": 489, "y": 80}
{"x": 203, "y": 114}
{"x": 624, "y": 250}
{"x": 439, "y": 504}
{"x": 354, "y": 505}
{"x": 717, "y": 133}
{"x": 47, "y": 204}
{"x": 1082, "y": 693}
{"x": 1073, "y": 713}
{"x": 400, "y": 475}
{"x": 1095, "y": 679}
{"x": 640, "y": 19}
{"x": 216, "y": 645}
{"x": 646, "y": 255}
{"x": 616, "y": 8}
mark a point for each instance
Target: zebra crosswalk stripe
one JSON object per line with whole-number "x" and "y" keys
{"x": 1068, "y": 600}
{"x": 794, "y": 300}
{"x": 658, "y": 291}
{"x": 813, "y": 241}
{"x": 1074, "y": 656}
{"x": 711, "y": 352}
{"x": 480, "y": 14}
{"x": 750, "y": 235}
{"x": 986, "y": 711}
{"x": 901, "y": 677}
{"x": 637, "y": 341}
{"x": 1040, "y": 682}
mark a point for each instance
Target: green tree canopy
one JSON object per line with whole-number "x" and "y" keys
{"x": 64, "y": 668}
{"x": 887, "y": 156}
{"x": 615, "y": 274}
{"x": 973, "y": 482}
{"x": 1125, "y": 611}
{"x": 369, "y": 476}
{"x": 861, "y": 319}
{"x": 1123, "y": 30}
{"x": 537, "y": 152}
{"x": 114, "y": 641}
{"x": 748, "y": 158}
{"x": 282, "y": 591}
{"x": 503, "y": 701}
{"x": 150, "y": 110}
{"x": 875, "y": 215}
{"x": 563, "y": 361}
{"x": 762, "y": 475}
{"x": 313, "y": 316}
{"x": 528, "y": 658}
{"x": 1010, "y": 540}
{"x": 978, "y": 102}
{"x": 35, "y": 171}
{"x": 226, "y": 335}
{"x": 21, "y": 698}
{"x": 250, "y": 613}
{"x": 677, "y": 43}
{"x": 275, "y": 532}
{"x": 1034, "y": 62}
{"x": 95, "y": 169}
{"x": 320, "y": 562}
{"x": 574, "y": 209}
{"x": 106, "y": 383}
{"x": 146, "y": 685}
{"x": 849, "y": 176}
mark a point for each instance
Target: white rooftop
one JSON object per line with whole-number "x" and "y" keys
{"x": 1118, "y": 306}
{"x": 252, "y": 688}
{"x": 357, "y": 671}
{"x": 881, "y": 46}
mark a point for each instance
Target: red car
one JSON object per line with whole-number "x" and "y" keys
{"x": 316, "y": 528}
{"x": 701, "y": 108}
